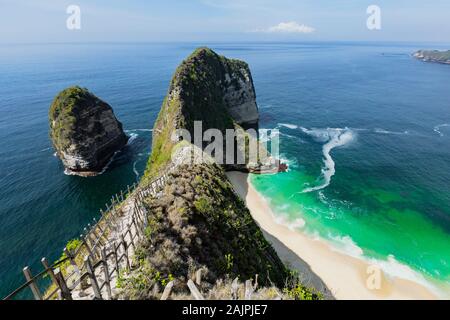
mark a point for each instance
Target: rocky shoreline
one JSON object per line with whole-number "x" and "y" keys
{"x": 435, "y": 56}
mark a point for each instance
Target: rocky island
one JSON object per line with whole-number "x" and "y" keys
{"x": 84, "y": 131}
{"x": 433, "y": 56}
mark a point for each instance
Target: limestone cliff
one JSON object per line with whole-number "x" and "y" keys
{"x": 84, "y": 131}
{"x": 206, "y": 87}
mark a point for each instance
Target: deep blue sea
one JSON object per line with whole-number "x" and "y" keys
{"x": 365, "y": 127}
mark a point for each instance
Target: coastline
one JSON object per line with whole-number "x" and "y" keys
{"x": 322, "y": 267}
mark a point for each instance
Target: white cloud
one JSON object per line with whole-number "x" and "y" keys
{"x": 288, "y": 27}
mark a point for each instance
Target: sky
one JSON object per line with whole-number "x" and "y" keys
{"x": 42, "y": 21}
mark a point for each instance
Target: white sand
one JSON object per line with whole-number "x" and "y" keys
{"x": 345, "y": 276}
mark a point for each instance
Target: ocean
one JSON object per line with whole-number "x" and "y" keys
{"x": 364, "y": 127}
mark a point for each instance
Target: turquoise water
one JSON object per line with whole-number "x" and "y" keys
{"x": 366, "y": 133}
{"x": 389, "y": 195}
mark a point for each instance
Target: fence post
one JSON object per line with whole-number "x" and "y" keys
{"x": 34, "y": 288}
{"x": 194, "y": 291}
{"x": 108, "y": 222}
{"x": 49, "y": 270}
{"x": 83, "y": 284}
{"x": 88, "y": 246}
{"x": 167, "y": 291}
{"x": 124, "y": 244}
{"x": 248, "y": 290}
{"x": 137, "y": 226}
{"x": 234, "y": 289}
{"x": 102, "y": 232}
{"x": 65, "y": 292}
{"x": 96, "y": 239}
{"x": 116, "y": 259}
{"x": 94, "y": 283}
{"x": 106, "y": 272}
{"x": 131, "y": 236}
{"x": 198, "y": 277}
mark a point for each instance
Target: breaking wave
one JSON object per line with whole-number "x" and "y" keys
{"x": 332, "y": 138}
{"x": 135, "y": 170}
{"x": 288, "y": 125}
{"x": 437, "y": 128}
{"x": 133, "y": 136}
{"x": 382, "y": 131}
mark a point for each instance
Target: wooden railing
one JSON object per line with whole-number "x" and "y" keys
{"x": 92, "y": 269}
{"x": 249, "y": 288}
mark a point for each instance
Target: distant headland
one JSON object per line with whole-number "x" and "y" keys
{"x": 433, "y": 56}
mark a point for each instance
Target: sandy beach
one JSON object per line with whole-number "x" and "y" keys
{"x": 321, "y": 267}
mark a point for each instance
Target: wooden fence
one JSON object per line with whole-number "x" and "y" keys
{"x": 93, "y": 268}
{"x": 249, "y": 288}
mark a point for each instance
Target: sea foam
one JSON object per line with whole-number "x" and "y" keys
{"x": 288, "y": 125}
{"x": 383, "y": 131}
{"x": 437, "y": 128}
{"x": 135, "y": 170}
{"x": 332, "y": 138}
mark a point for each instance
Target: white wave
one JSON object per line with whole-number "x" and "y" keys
{"x": 292, "y": 137}
{"x": 322, "y": 198}
{"x": 382, "y": 131}
{"x": 142, "y": 130}
{"x": 267, "y": 135}
{"x": 391, "y": 267}
{"x": 333, "y": 138}
{"x": 68, "y": 172}
{"x": 288, "y": 125}
{"x": 437, "y": 128}
{"x": 293, "y": 225}
{"x": 133, "y": 136}
{"x": 292, "y": 163}
{"x": 347, "y": 245}
{"x": 135, "y": 170}
{"x": 71, "y": 173}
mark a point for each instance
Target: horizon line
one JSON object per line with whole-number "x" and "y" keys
{"x": 227, "y": 41}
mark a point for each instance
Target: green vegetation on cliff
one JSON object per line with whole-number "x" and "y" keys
{"x": 62, "y": 114}
{"x": 200, "y": 223}
{"x": 195, "y": 93}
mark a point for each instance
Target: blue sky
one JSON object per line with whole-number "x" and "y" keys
{"x": 223, "y": 20}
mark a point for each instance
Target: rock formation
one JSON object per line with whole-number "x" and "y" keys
{"x": 84, "y": 131}
{"x": 433, "y": 56}
{"x": 206, "y": 87}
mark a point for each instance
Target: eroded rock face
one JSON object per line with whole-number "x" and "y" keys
{"x": 206, "y": 87}
{"x": 84, "y": 131}
{"x": 239, "y": 93}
